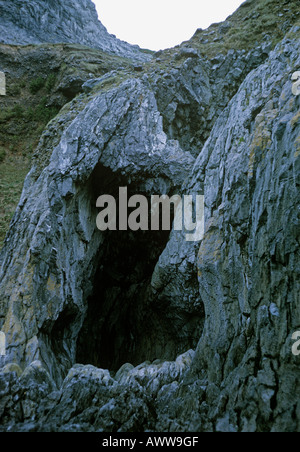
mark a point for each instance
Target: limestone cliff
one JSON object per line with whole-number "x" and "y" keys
{"x": 146, "y": 331}
{"x": 58, "y": 21}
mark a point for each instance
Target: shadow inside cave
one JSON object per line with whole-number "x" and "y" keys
{"x": 125, "y": 320}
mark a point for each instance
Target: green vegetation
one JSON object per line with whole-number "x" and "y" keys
{"x": 12, "y": 174}
{"x": 2, "y": 154}
{"x": 21, "y": 125}
{"x": 50, "y": 83}
{"x": 148, "y": 52}
{"x": 20, "y": 128}
{"x": 111, "y": 82}
{"x": 30, "y": 105}
{"x": 256, "y": 21}
{"x": 41, "y": 112}
{"x": 14, "y": 90}
{"x": 36, "y": 85}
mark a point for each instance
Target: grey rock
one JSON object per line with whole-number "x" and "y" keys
{"x": 142, "y": 156}
{"x": 90, "y": 84}
{"x": 71, "y": 294}
{"x": 186, "y": 52}
{"x": 224, "y": 28}
{"x": 68, "y": 21}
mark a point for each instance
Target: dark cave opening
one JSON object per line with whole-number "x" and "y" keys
{"x": 119, "y": 319}
{"x": 125, "y": 321}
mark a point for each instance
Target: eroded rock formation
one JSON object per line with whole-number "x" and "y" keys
{"x": 167, "y": 335}
{"x": 56, "y": 21}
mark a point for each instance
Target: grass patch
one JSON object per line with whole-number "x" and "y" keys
{"x": 2, "y": 154}
{"x": 253, "y": 23}
{"x": 41, "y": 112}
{"x": 32, "y": 102}
{"x": 50, "y": 83}
{"x": 36, "y": 85}
{"x": 12, "y": 174}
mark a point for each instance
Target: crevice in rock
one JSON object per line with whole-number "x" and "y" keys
{"x": 125, "y": 322}
{"x": 60, "y": 337}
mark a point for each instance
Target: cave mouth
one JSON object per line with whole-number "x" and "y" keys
{"x": 125, "y": 322}
{"x": 121, "y": 324}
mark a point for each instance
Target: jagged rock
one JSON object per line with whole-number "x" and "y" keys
{"x": 70, "y": 293}
{"x": 141, "y": 155}
{"x": 90, "y": 84}
{"x": 69, "y": 21}
{"x": 12, "y": 367}
{"x": 248, "y": 206}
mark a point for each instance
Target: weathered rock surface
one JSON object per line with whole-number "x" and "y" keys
{"x": 92, "y": 155}
{"x": 228, "y": 128}
{"x": 69, "y": 21}
{"x": 248, "y": 262}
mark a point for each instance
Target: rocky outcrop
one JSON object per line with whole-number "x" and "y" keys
{"x": 211, "y": 322}
{"x": 139, "y": 155}
{"x": 76, "y": 22}
{"x": 248, "y": 261}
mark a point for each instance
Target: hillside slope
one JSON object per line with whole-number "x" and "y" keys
{"x": 58, "y": 21}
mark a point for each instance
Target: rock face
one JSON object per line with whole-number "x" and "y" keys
{"x": 76, "y": 22}
{"x": 211, "y": 322}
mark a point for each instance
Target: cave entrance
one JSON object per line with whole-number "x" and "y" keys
{"x": 120, "y": 325}
{"x": 124, "y": 321}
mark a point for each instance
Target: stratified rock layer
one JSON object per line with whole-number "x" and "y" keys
{"x": 53, "y": 21}
{"x": 211, "y": 322}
